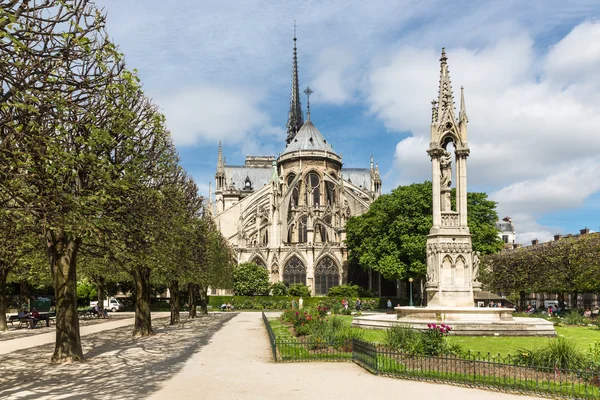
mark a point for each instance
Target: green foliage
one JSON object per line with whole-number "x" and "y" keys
{"x": 569, "y": 265}
{"x": 390, "y": 238}
{"x": 348, "y": 291}
{"x": 299, "y": 290}
{"x": 558, "y": 353}
{"x": 400, "y": 337}
{"x": 431, "y": 342}
{"x": 574, "y": 317}
{"x": 593, "y": 355}
{"x": 86, "y": 291}
{"x": 250, "y": 279}
{"x": 279, "y": 289}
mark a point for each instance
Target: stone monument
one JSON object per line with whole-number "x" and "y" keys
{"x": 452, "y": 266}
{"x": 450, "y": 273}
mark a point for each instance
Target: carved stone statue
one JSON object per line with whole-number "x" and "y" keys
{"x": 476, "y": 262}
{"x": 445, "y": 170}
{"x": 432, "y": 268}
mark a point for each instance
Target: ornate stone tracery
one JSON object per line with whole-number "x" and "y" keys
{"x": 327, "y": 275}
{"x": 294, "y": 271}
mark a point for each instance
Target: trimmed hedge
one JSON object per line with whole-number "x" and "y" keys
{"x": 283, "y": 302}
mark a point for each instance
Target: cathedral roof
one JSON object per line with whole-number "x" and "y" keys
{"x": 360, "y": 177}
{"x": 237, "y": 175}
{"x": 308, "y": 138}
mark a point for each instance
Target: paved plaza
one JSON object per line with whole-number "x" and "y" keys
{"x": 221, "y": 356}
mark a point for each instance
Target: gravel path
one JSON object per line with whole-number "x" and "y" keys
{"x": 118, "y": 365}
{"x": 238, "y": 365}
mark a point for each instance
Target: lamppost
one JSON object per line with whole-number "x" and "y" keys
{"x": 410, "y": 281}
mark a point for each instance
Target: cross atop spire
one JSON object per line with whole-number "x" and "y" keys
{"x": 295, "y": 117}
{"x": 446, "y": 99}
{"x": 308, "y": 91}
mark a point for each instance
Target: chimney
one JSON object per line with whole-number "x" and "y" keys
{"x": 584, "y": 231}
{"x": 557, "y": 237}
{"x": 535, "y": 241}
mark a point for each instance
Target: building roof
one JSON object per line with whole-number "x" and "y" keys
{"x": 358, "y": 176}
{"x": 308, "y": 138}
{"x": 237, "y": 174}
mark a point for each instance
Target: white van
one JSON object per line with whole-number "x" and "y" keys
{"x": 111, "y": 304}
{"x": 550, "y": 303}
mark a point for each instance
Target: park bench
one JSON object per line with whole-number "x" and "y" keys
{"x": 15, "y": 318}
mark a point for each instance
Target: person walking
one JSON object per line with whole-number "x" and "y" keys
{"x": 389, "y": 305}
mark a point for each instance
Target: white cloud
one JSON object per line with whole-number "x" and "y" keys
{"x": 533, "y": 136}
{"x": 214, "y": 113}
{"x": 335, "y": 80}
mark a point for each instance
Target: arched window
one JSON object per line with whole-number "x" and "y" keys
{"x": 294, "y": 271}
{"x": 295, "y": 192}
{"x": 326, "y": 275}
{"x": 303, "y": 230}
{"x": 330, "y": 190}
{"x": 313, "y": 189}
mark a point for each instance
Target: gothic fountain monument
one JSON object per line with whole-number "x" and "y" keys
{"x": 452, "y": 266}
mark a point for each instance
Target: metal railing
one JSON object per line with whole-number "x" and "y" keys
{"x": 475, "y": 370}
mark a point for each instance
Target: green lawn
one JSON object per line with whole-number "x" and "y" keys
{"x": 583, "y": 336}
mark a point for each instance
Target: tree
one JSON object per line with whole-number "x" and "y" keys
{"x": 566, "y": 266}
{"x": 391, "y": 237}
{"x": 56, "y": 144}
{"x": 250, "y": 279}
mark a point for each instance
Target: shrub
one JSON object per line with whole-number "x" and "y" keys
{"x": 347, "y": 291}
{"x": 400, "y": 337}
{"x": 431, "y": 342}
{"x": 558, "y": 353}
{"x": 250, "y": 279}
{"x": 279, "y": 289}
{"x": 434, "y": 339}
{"x": 335, "y": 332}
{"x": 575, "y": 318}
{"x": 299, "y": 290}
{"x": 593, "y": 354}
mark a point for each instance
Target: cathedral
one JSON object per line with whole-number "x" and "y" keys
{"x": 288, "y": 213}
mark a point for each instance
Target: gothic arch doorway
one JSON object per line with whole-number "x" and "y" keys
{"x": 327, "y": 275}
{"x": 294, "y": 271}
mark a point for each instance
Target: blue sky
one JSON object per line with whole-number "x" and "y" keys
{"x": 222, "y": 71}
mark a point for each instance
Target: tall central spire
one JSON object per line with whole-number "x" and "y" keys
{"x": 295, "y": 117}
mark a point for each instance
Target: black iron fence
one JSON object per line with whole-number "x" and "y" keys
{"x": 506, "y": 374}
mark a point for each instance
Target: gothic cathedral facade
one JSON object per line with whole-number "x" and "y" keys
{"x": 288, "y": 213}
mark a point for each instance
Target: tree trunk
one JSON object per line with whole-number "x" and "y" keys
{"x": 174, "y": 302}
{"x": 192, "y": 300}
{"x": 101, "y": 292}
{"x": 574, "y": 296}
{"x": 204, "y": 300}
{"x": 143, "y": 318}
{"x": 522, "y": 300}
{"x": 3, "y": 299}
{"x": 561, "y": 301}
{"x": 62, "y": 252}
{"x": 23, "y": 294}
